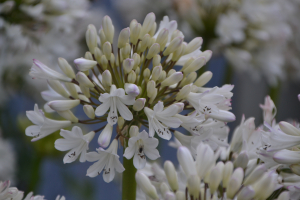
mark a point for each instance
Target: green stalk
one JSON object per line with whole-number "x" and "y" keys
{"x": 128, "y": 180}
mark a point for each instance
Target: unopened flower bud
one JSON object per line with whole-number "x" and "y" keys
{"x": 223, "y": 115}
{"x": 128, "y": 65}
{"x": 193, "y": 185}
{"x": 105, "y": 136}
{"x": 62, "y": 105}
{"x": 98, "y": 53}
{"x": 139, "y": 104}
{"x": 147, "y": 24}
{"x": 83, "y": 64}
{"x": 227, "y": 172}
{"x": 123, "y": 37}
{"x": 265, "y": 185}
{"x": 176, "y": 33}
{"x": 135, "y": 32}
{"x": 247, "y": 193}
{"x": 182, "y": 94}
{"x": 173, "y": 79}
{"x": 189, "y": 79}
{"x": 104, "y": 62}
{"x": 121, "y": 122}
{"x": 173, "y": 46}
{"x": 133, "y": 131}
{"x": 68, "y": 115}
{"x": 131, "y": 77}
{"x": 180, "y": 195}
{"x": 186, "y": 161}
{"x": 150, "y": 88}
{"x": 295, "y": 169}
{"x": 215, "y": 177}
{"x": 195, "y": 65}
{"x": 85, "y": 91}
{"x": 146, "y": 74}
{"x": 107, "y": 50}
{"x": 132, "y": 89}
{"x": 156, "y": 72}
{"x": 102, "y": 37}
{"x": 242, "y": 160}
{"x": 137, "y": 59}
{"x": 203, "y": 79}
{"x": 284, "y": 196}
{"x": 255, "y": 175}
{"x": 126, "y": 51}
{"x": 171, "y": 175}
{"x": 164, "y": 188}
{"x": 156, "y": 60}
{"x": 66, "y": 68}
{"x": 84, "y": 80}
{"x": 172, "y": 71}
{"x": 72, "y": 90}
{"x": 207, "y": 55}
{"x": 153, "y": 96}
{"x": 106, "y": 78}
{"x": 143, "y": 181}
{"x": 235, "y": 182}
{"x": 88, "y": 55}
{"x": 289, "y": 128}
{"x": 162, "y": 76}
{"x": 108, "y": 29}
{"x": 89, "y": 111}
{"x": 57, "y": 87}
{"x": 194, "y": 45}
{"x": 91, "y": 37}
{"x": 154, "y": 50}
{"x": 178, "y": 53}
{"x": 170, "y": 196}
{"x": 162, "y": 38}
{"x": 153, "y": 30}
{"x": 144, "y": 43}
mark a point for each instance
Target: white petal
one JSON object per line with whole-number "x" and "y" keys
{"x": 71, "y": 156}
{"x": 150, "y": 142}
{"x": 151, "y": 153}
{"x": 103, "y": 108}
{"x": 161, "y": 130}
{"x": 139, "y": 161}
{"x": 124, "y": 111}
{"x": 127, "y": 99}
{"x": 96, "y": 168}
{"x": 173, "y": 122}
{"x": 158, "y": 107}
{"x": 129, "y": 151}
{"x": 32, "y": 130}
{"x": 118, "y": 165}
{"x": 65, "y": 145}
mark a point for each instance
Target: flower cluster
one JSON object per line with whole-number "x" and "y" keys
{"x": 148, "y": 84}
{"x": 260, "y": 163}
{"x": 12, "y": 193}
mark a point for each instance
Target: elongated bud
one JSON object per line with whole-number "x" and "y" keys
{"x": 235, "y": 182}
{"x": 162, "y": 76}
{"x": 170, "y": 196}
{"x": 176, "y": 33}
{"x": 147, "y": 24}
{"x": 135, "y": 32}
{"x": 178, "y": 52}
{"x": 189, "y": 79}
{"x": 182, "y": 94}
{"x": 84, "y": 80}
{"x": 107, "y": 50}
{"x": 98, "y": 53}
{"x": 68, "y": 115}
{"x": 121, "y": 122}
{"x": 126, "y": 51}
{"x": 289, "y": 128}
{"x": 137, "y": 59}
{"x": 131, "y": 77}
{"x": 85, "y": 91}
{"x": 105, "y": 136}
{"x": 265, "y": 185}
{"x": 247, "y": 193}
{"x": 223, "y": 115}
{"x": 102, "y": 37}
{"x": 255, "y": 175}
{"x": 139, "y": 104}
{"x": 153, "y": 30}
{"x": 215, "y": 177}
{"x": 203, "y": 79}
{"x": 171, "y": 175}
{"x": 173, "y": 79}
{"x": 144, "y": 43}
{"x": 83, "y": 64}
{"x": 227, "y": 172}
{"x": 106, "y": 78}
{"x": 156, "y": 60}
{"x": 195, "y": 65}
{"x": 91, "y": 37}
{"x": 153, "y": 96}
{"x": 164, "y": 188}
{"x": 72, "y": 90}
{"x": 132, "y": 89}
{"x": 172, "y": 71}
{"x": 180, "y": 195}
{"x": 89, "y": 111}
{"x": 207, "y": 55}
{"x": 194, "y": 45}
{"x": 88, "y": 55}
{"x": 162, "y": 38}
{"x": 143, "y": 181}
{"x": 123, "y": 37}
{"x": 108, "y": 28}
{"x": 104, "y": 62}
{"x": 62, "y": 105}
{"x": 154, "y": 49}
{"x": 173, "y": 46}
{"x": 193, "y": 183}
{"x": 156, "y": 72}
{"x": 242, "y": 160}
{"x": 66, "y": 68}
{"x": 146, "y": 74}
{"x": 186, "y": 161}
{"x": 187, "y": 63}
{"x": 295, "y": 169}
{"x": 133, "y": 131}
{"x": 57, "y": 87}
{"x": 150, "y": 88}
{"x": 128, "y": 65}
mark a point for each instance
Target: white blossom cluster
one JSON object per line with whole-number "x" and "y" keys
{"x": 30, "y": 28}
{"x": 135, "y": 87}
{"x": 260, "y": 163}
{"x": 12, "y": 193}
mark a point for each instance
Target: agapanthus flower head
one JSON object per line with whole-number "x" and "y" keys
{"x": 135, "y": 89}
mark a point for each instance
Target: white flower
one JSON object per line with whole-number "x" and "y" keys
{"x": 171, "y": 26}
{"x": 107, "y": 160}
{"x": 76, "y": 142}
{"x": 115, "y": 101}
{"x": 139, "y": 146}
{"x": 40, "y": 70}
{"x": 269, "y": 110}
{"x": 43, "y": 126}
{"x": 158, "y": 115}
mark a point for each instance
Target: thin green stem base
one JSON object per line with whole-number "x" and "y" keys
{"x": 128, "y": 180}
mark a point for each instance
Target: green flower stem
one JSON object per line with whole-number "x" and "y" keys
{"x": 128, "y": 180}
